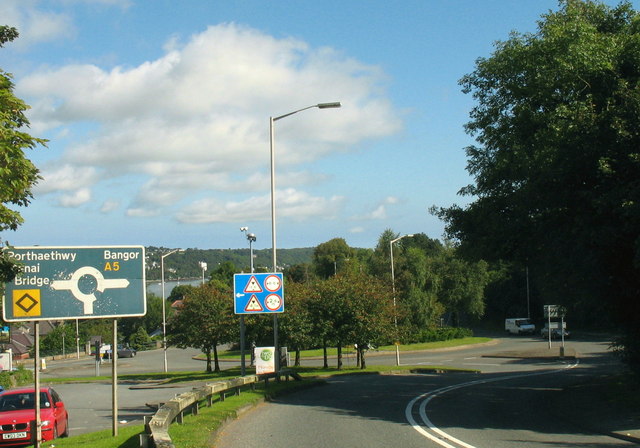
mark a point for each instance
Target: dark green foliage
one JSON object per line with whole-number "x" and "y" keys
{"x": 440, "y": 334}
{"x": 18, "y": 174}
{"x": 557, "y": 164}
{"x": 19, "y": 377}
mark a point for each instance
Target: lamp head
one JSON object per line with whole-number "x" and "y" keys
{"x": 329, "y": 105}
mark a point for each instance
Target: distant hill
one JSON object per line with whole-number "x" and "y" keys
{"x": 187, "y": 264}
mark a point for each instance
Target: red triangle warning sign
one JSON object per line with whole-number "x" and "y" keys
{"x": 253, "y": 285}
{"x": 253, "y": 304}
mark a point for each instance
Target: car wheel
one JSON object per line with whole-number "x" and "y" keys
{"x": 66, "y": 429}
{"x": 55, "y": 430}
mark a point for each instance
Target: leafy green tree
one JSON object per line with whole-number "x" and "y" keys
{"x": 140, "y": 339}
{"x": 295, "y": 325}
{"x": 222, "y": 277}
{"x": 151, "y": 321}
{"x": 18, "y": 174}
{"x": 327, "y": 256}
{"x": 352, "y": 309}
{"x": 557, "y": 163}
{"x": 205, "y": 320}
{"x": 62, "y": 339}
{"x": 180, "y": 292}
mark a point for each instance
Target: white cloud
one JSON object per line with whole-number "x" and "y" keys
{"x": 380, "y": 211}
{"x": 75, "y": 198}
{"x": 289, "y": 203}
{"x": 109, "y": 206}
{"x": 196, "y": 120}
{"x": 35, "y": 25}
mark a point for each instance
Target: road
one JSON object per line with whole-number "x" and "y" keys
{"x": 514, "y": 402}
{"x": 348, "y": 409}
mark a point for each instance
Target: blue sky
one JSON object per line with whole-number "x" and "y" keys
{"x": 157, "y": 114}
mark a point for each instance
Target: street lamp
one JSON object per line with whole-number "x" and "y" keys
{"x": 272, "y": 120}
{"x": 164, "y": 313}
{"x": 203, "y": 266}
{"x": 393, "y": 288}
{"x": 251, "y": 237}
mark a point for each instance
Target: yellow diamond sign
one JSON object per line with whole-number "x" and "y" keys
{"x": 26, "y": 303}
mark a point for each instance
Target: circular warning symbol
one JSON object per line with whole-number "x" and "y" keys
{"x": 273, "y": 302}
{"x": 272, "y": 283}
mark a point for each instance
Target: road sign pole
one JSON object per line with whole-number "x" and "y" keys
{"x": 38, "y": 432}
{"x": 114, "y": 375}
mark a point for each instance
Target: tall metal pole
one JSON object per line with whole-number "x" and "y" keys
{"x": 393, "y": 289}
{"x": 164, "y": 317}
{"x": 272, "y": 120}
{"x": 38, "y": 419}
{"x": 164, "y": 312}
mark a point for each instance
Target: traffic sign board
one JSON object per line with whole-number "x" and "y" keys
{"x": 258, "y": 293}
{"x": 76, "y": 282}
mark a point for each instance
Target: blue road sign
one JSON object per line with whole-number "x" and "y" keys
{"x": 61, "y": 283}
{"x": 258, "y": 293}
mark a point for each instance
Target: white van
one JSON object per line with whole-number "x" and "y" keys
{"x": 519, "y": 325}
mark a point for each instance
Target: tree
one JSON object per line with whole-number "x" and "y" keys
{"x": 295, "y": 326}
{"x": 557, "y": 164}
{"x": 352, "y": 309}
{"x": 223, "y": 275}
{"x": 204, "y": 321}
{"x": 18, "y": 174}
{"x": 327, "y": 256}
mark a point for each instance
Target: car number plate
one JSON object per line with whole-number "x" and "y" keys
{"x": 14, "y": 435}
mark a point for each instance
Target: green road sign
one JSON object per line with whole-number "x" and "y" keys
{"x": 60, "y": 283}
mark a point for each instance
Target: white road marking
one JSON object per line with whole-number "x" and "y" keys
{"x": 442, "y": 438}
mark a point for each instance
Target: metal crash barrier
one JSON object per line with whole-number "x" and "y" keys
{"x": 157, "y": 427}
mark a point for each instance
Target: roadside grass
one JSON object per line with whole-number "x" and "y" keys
{"x": 332, "y": 351}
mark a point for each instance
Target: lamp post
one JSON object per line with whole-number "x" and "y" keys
{"x": 272, "y": 120}
{"x": 164, "y": 312}
{"x": 393, "y": 289}
{"x": 251, "y": 237}
{"x": 203, "y": 266}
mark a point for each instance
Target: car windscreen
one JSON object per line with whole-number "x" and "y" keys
{"x": 12, "y": 402}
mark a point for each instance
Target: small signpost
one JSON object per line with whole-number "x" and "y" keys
{"x": 555, "y": 311}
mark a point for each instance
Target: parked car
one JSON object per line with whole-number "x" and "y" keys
{"x": 124, "y": 351}
{"x": 555, "y": 332}
{"x": 17, "y": 411}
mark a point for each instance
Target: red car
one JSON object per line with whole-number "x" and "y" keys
{"x": 17, "y": 416}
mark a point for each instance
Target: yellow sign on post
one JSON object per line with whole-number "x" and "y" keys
{"x": 26, "y": 303}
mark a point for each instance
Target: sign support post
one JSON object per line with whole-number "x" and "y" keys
{"x": 38, "y": 420}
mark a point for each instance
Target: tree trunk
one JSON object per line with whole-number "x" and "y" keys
{"x": 324, "y": 353}
{"x": 363, "y": 362}
{"x": 297, "y": 362}
{"x": 339, "y": 356}
{"x": 215, "y": 357}
{"x": 208, "y": 353}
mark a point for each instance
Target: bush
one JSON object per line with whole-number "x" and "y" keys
{"x": 19, "y": 377}
{"x": 440, "y": 334}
